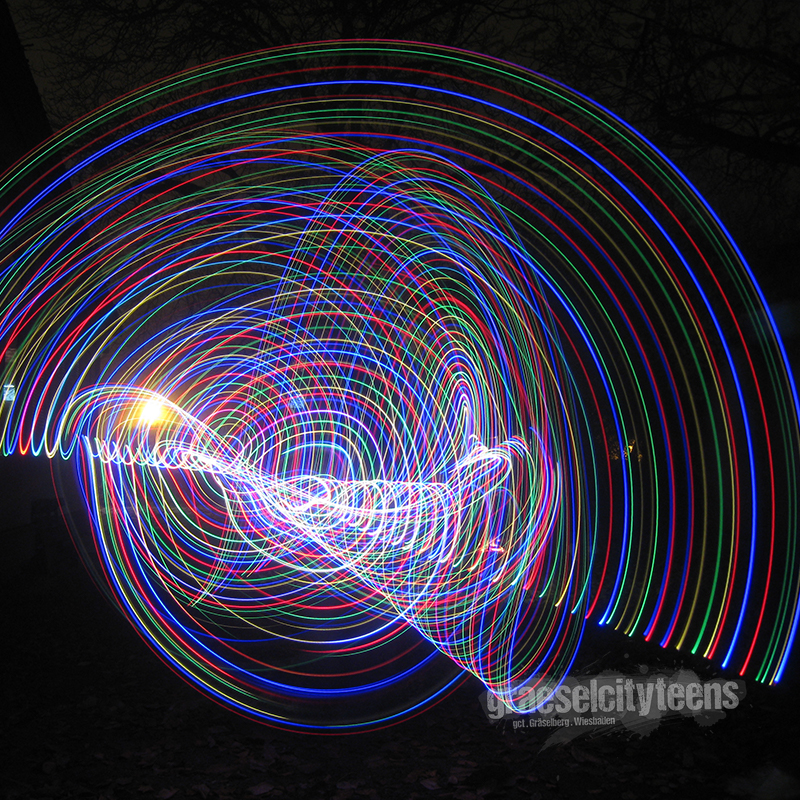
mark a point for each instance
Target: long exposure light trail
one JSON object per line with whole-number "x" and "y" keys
{"x": 381, "y": 363}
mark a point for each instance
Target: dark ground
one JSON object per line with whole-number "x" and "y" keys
{"x": 91, "y": 712}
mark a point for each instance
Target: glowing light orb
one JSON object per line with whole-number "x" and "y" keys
{"x": 152, "y": 412}
{"x": 380, "y": 364}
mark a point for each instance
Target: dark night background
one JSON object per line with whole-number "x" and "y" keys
{"x": 89, "y": 711}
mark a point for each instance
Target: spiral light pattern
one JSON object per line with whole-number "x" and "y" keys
{"x": 367, "y": 353}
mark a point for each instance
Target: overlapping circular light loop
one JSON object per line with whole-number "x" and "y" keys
{"x": 374, "y": 353}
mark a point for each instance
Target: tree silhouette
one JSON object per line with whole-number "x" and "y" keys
{"x": 24, "y": 123}
{"x": 102, "y": 49}
{"x": 716, "y": 85}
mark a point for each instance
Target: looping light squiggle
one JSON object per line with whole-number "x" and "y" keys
{"x": 372, "y": 352}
